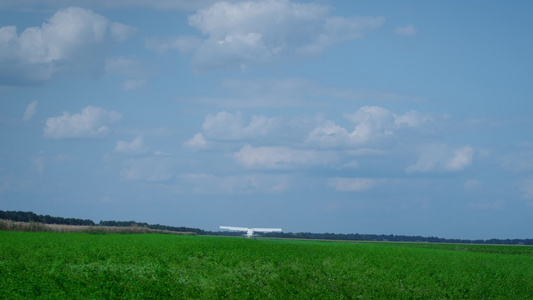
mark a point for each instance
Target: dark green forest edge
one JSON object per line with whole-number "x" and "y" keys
{"x": 22, "y": 216}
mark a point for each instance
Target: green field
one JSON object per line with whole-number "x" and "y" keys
{"x": 80, "y": 265}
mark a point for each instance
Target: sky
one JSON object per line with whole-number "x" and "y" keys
{"x": 373, "y": 117}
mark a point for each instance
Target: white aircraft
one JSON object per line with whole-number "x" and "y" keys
{"x": 250, "y": 231}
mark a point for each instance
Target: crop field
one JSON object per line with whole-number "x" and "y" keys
{"x": 144, "y": 266}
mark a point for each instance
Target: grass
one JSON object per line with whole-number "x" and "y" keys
{"x": 79, "y": 265}
{"x": 9, "y": 225}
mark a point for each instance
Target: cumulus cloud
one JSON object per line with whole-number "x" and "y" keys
{"x": 440, "y": 157}
{"x": 72, "y": 40}
{"x": 196, "y": 143}
{"x": 134, "y": 147}
{"x": 353, "y": 184}
{"x": 92, "y": 122}
{"x": 411, "y": 119}
{"x": 228, "y": 126}
{"x": 281, "y": 157}
{"x": 373, "y": 126}
{"x": 30, "y": 111}
{"x": 407, "y": 30}
{"x": 329, "y": 135}
{"x": 243, "y": 34}
{"x": 372, "y": 123}
{"x": 461, "y": 158}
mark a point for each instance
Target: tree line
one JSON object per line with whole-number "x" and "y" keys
{"x": 22, "y": 216}
{"x": 151, "y": 226}
{"x": 27, "y": 216}
{"x": 394, "y": 238}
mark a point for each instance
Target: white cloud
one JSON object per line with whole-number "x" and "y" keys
{"x": 372, "y": 123}
{"x": 228, "y": 126}
{"x": 354, "y": 184}
{"x": 196, "y": 143}
{"x": 243, "y": 34}
{"x": 282, "y": 157}
{"x": 134, "y": 147}
{"x": 223, "y": 125}
{"x": 411, "y": 119}
{"x": 329, "y": 135}
{"x": 72, "y": 40}
{"x": 373, "y": 127}
{"x": 407, "y": 30}
{"x": 30, "y": 111}
{"x": 440, "y": 157}
{"x": 461, "y": 158}
{"x": 90, "y": 123}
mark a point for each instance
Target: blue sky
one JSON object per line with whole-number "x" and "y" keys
{"x": 411, "y": 117}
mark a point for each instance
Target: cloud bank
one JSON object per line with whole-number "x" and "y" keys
{"x": 372, "y": 124}
{"x": 73, "y": 40}
{"x": 244, "y": 34}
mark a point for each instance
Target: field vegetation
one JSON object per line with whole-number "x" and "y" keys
{"x": 9, "y": 225}
{"x": 30, "y": 217}
{"x": 144, "y": 266}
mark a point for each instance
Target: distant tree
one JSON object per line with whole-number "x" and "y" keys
{"x": 26, "y": 216}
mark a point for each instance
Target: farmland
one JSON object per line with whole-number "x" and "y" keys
{"x": 82, "y": 265}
